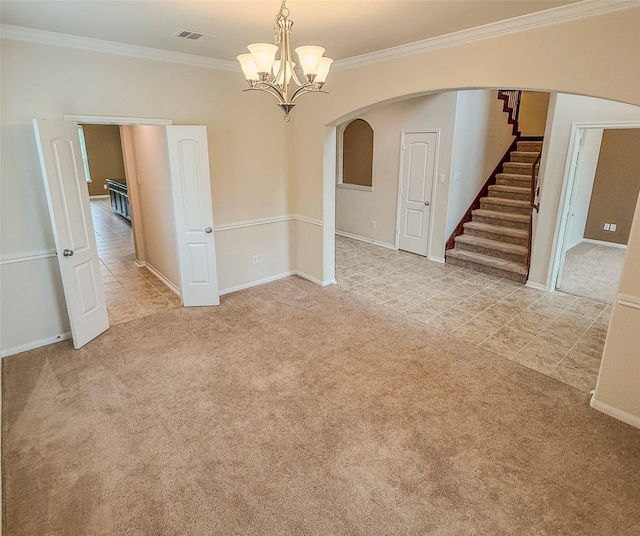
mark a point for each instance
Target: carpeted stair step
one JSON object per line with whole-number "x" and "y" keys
{"x": 529, "y": 146}
{"x": 518, "y": 168}
{"x": 503, "y": 219}
{"x": 513, "y": 179}
{"x": 510, "y": 192}
{"x": 484, "y": 263}
{"x": 497, "y": 232}
{"x": 499, "y": 204}
{"x": 492, "y": 248}
{"x": 523, "y": 156}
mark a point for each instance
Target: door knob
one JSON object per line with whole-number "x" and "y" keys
{"x": 208, "y": 230}
{"x": 67, "y": 253}
{"x": 427, "y": 203}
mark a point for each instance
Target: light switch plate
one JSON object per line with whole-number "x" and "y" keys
{"x": 441, "y": 178}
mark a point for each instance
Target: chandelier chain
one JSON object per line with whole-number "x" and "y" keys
{"x": 282, "y": 14}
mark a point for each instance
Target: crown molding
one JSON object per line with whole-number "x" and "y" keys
{"x": 548, "y": 17}
{"x": 43, "y": 37}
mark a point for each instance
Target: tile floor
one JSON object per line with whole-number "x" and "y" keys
{"x": 131, "y": 292}
{"x": 554, "y": 333}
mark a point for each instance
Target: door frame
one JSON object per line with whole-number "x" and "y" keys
{"x": 568, "y": 184}
{"x": 403, "y": 134}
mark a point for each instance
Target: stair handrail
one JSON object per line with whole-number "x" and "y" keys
{"x": 535, "y": 191}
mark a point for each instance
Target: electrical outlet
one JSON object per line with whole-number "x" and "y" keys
{"x": 607, "y": 226}
{"x": 104, "y": 186}
{"x": 373, "y": 224}
{"x": 441, "y": 178}
{"x": 458, "y": 176}
{"x": 613, "y": 227}
{"x": 254, "y": 259}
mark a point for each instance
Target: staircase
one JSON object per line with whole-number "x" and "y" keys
{"x": 497, "y": 240}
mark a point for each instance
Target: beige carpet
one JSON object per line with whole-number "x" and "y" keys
{"x": 293, "y": 409}
{"x": 592, "y": 271}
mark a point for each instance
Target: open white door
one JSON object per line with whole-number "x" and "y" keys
{"x": 193, "y": 210}
{"x": 68, "y": 199}
{"x": 416, "y": 184}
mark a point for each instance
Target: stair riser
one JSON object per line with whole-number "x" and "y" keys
{"x": 529, "y": 146}
{"x": 519, "y": 168}
{"x": 487, "y": 270}
{"x": 521, "y": 183}
{"x": 497, "y": 236}
{"x": 503, "y": 223}
{"x": 518, "y": 196}
{"x": 515, "y": 257}
{"x": 522, "y": 158}
{"x": 488, "y": 205}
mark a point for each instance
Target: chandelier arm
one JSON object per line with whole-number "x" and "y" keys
{"x": 270, "y": 89}
{"x": 307, "y": 88}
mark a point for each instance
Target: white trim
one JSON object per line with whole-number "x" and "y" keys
{"x": 604, "y": 243}
{"x": 34, "y": 256}
{"x": 159, "y": 275}
{"x": 35, "y": 344}
{"x": 616, "y": 413}
{"x": 314, "y": 280}
{"x": 354, "y": 187}
{"x": 365, "y": 239}
{"x": 629, "y": 301}
{"x": 266, "y": 221}
{"x": 436, "y": 259}
{"x": 256, "y": 283}
{"x": 99, "y": 196}
{"x": 115, "y": 120}
{"x": 43, "y": 37}
{"x": 536, "y": 286}
{"x": 311, "y": 221}
{"x": 547, "y": 17}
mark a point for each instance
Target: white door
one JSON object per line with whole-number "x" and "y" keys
{"x": 193, "y": 211}
{"x": 68, "y": 199}
{"x": 416, "y": 184}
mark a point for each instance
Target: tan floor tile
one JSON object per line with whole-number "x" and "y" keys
{"x": 558, "y": 299}
{"x": 581, "y": 361}
{"x": 496, "y": 316}
{"x": 534, "y": 361}
{"x": 449, "y": 320}
{"x": 499, "y": 346}
{"x": 547, "y": 349}
{"x": 529, "y": 322}
{"x": 476, "y": 330}
{"x": 580, "y": 379}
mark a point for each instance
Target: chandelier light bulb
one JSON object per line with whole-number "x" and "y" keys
{"x": 263, "y": 55}
{"x": 248, "y": 67}
{"x": 323, "y": 70}
{"x": 310, "y": 56}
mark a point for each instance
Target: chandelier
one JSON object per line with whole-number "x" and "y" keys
{"x": 266, "y": 73}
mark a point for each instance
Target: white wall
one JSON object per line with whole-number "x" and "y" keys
{"x": 583, "y": 185}
{"x": 247, "y": 142}
{"x": 564, "y": 110}
{"x": 156, "y": 213}
{"x": 482, "y": 136}
{"x": 355, "y": 209}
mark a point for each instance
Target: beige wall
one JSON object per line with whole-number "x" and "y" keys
{"x": 355, "y": 209}
{"x": 616, "y": 186}
{"x": 618, "y": 389}
{"x": 482, "y": 136}
{"x": 155, "y": 217}
{"x": 104, "y": 153}
{"x": 532, "y": 120}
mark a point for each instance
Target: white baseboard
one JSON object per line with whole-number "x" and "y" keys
{"x": 631, "y": 420}
{"x": 159, "y": 275}
{"x": 314, "y": 280}
{"x": 98, "y": 196}
{"x": 257, "y": 282}
{"x": 436, "y": 259}
{"x": 536, "y": 286}
{"x": 604, "y": 243}
{"x": 36, "y": 344}
{"x": 365, "y": 239}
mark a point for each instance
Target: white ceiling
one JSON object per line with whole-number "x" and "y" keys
{"x": 346, "y": 28}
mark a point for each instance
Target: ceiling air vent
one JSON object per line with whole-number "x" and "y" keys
{"x": 193, "y": 36}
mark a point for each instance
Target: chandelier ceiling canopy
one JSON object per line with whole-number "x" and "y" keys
{"x": 274, "y": 76}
